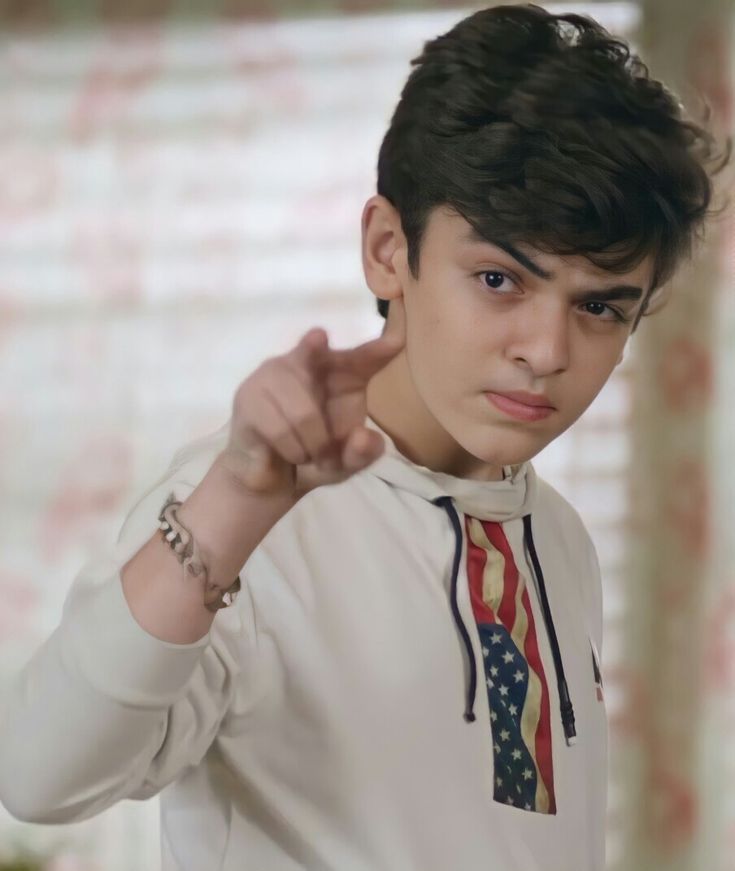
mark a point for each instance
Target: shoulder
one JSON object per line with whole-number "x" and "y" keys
{"x": 559, "y": 520}
{"x": 558, "y": 513}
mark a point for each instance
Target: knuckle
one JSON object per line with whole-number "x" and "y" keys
{"x": 288, "y": 448}
{"x": 271, "y": 368}
{"x": 306, "y": 417}
{"x": 241, "y": 389}
{"x": 246, "y": 395}
{"x": 239, "y": 403}
{"x": 282, "y": 434}
{"x": 296, "y": 368}
{"x": 265, "y": 368}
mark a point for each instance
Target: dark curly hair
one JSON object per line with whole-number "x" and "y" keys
{"x": 546, "y": 129}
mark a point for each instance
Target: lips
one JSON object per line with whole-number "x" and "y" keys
{"x": 536, "y": 400}
{"x": 529, "y": 407}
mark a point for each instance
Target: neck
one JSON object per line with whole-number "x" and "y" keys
{"x": 394, "y": 403}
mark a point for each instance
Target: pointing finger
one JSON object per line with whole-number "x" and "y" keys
{"x": 311, "y": 346}
{"x": 366, "y": 359}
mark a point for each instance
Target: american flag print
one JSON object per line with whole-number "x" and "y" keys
{"x": 517, "y": 689}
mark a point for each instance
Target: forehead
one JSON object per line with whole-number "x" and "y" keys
{"x": 448, "y": 225}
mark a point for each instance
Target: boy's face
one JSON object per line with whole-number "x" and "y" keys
{"x": 482, "y": 321}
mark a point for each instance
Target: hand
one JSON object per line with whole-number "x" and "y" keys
{"x": 298, "y": 420}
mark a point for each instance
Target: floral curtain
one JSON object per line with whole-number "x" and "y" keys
{"x": 674, "y": 739}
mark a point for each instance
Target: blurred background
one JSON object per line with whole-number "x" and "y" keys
{"x": 181, "y": 186}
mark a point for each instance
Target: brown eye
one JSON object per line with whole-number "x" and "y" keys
{"x": 494, "y": 278}
{"x": 598, "y": 309}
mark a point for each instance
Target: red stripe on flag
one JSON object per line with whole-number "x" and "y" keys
{"x": 476, "y": 561}
{"x": 543, "y": 730}
{"x": 507, "y": 610}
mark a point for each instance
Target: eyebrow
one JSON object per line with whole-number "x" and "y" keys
{"x": 603, "y": 294}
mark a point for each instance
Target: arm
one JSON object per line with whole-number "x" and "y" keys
{"x": 132, "y": 685}
{"x": 227, "y": 523}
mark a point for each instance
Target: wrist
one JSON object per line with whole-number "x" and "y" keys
{"x": 274, "y": 501}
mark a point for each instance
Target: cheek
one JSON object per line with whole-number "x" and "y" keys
{"x": 437, "y": 327}
{"x": 441, "y": 351}
{"x": 590, "y": 377}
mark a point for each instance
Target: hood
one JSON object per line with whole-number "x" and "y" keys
{"x": 511, "y": 498}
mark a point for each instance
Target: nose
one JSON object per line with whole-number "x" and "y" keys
{"x": 541, "y": 341}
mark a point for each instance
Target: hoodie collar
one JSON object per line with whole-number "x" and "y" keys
{"x": 513, "y": 497}
{"x": 487, "y": 500}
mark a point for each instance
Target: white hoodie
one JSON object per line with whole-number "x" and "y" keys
{"x": 373, "y": 701}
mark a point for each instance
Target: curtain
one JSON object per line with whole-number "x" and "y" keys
{"x": 674, "y": 736}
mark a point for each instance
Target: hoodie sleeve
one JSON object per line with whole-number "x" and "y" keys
{"x": 105, "y": 711}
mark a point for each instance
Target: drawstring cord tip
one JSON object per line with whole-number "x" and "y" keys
{"x": 567, "y": 716}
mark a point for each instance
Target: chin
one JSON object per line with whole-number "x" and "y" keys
{"x": 506, "y": 448}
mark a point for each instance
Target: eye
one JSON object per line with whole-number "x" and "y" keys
{"x": 496, "y": 279}
{"x": 599, "y": 308}
{"x": 503, "y": 283}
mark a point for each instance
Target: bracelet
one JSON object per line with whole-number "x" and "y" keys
{"x": 185, "y": 548}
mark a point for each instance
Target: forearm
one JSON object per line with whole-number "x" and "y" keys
{"x": 228, "y": 524}
{"x": 90, "y": 719}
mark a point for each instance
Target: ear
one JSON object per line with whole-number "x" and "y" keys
{"x": 384, "y": 249}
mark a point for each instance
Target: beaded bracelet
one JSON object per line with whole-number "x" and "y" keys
{"x": 182, "y": 543}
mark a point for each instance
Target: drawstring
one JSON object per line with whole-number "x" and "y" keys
{"x": 565, "y": 702}
{"x": 446, "y": 503}
{"x": 567, "y": 711}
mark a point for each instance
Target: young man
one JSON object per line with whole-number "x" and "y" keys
{"x": 409, "y": 679}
